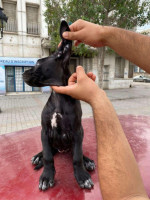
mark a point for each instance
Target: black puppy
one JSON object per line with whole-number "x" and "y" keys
{"x": 61, "y": 117}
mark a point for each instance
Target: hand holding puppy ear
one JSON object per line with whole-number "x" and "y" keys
{"x": 85, "y": 32}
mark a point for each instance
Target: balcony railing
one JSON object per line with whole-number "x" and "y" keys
{"x": 33, "y": 28}
{"x": 11, "y": 26}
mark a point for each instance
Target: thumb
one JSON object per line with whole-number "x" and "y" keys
{"x": 71, "y": 35}
{"x": 60, "y": 89}
{"x": 80, "y": 73}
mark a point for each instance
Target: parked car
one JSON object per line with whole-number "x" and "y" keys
{"x": 141, "y": 78}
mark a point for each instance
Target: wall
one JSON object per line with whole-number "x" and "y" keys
{"x": 21, "y": 44}
{"x": 92, "y": 64}
{"x": 120, "y": 83}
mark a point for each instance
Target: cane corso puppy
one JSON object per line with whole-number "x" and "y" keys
{"x": 61, "y": 117}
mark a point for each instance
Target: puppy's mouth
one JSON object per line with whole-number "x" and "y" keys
{"x": 27, "y": 76}
{"x": 33, "y": 81}
{"x": 29, "y": 79}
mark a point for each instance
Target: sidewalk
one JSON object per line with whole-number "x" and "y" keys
{"x": 24, "y": 111}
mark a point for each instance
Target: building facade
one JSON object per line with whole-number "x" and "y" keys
{"x": 117, "y": 72}
{"x": 23, "y": 43}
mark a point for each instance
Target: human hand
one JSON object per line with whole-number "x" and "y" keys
{"x": 86, "y": 32}
{"x": 80, "y": 86}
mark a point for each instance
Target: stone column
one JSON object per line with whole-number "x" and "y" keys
{"x": 126, "y": 69}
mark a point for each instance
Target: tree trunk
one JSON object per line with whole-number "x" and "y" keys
{"x": 101, "y": 57}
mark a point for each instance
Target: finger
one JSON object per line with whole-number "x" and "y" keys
{"x": 59, "y": 44}
{"x": 77, "y": 25}
{"x": 72, "y": 79}
{"x": 91, "y": 75}
{"x": 94, "y": 77}
{"x": 61, "y": 89}
{"x": 77, "y": 42}
{"x": 80, "y": 73}
{"x": 72, "y": 35}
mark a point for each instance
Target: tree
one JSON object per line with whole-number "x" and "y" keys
{"x": 62, "y": 9}
{"x": 121, "y": 13}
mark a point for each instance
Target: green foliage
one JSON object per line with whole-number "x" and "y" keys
{"x": 83, "y": 50}
{"x": 122, "y": 13}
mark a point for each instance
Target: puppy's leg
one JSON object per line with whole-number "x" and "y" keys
{"x": 88, "y": 163}
{"x": 47, "y": 177}
{"x": 82, "y": 176}
{"x": 37, "y": 159}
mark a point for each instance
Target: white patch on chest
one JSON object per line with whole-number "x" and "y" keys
{"x": 54, "y": 119}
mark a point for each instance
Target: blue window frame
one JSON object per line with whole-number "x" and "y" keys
{"x": 14, "y": 81}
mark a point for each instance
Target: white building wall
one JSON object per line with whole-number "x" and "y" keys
{"x": 21, "y": 44}
{"x": 111, "y": 82}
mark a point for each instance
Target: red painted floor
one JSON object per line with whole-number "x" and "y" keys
{"x": 18, "y": 180}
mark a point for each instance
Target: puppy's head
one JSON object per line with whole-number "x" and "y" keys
{"x": 52, "y": 70}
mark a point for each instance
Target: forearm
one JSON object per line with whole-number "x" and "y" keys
{"x": 130, "y": 45}
{"x": 118, "y": 172}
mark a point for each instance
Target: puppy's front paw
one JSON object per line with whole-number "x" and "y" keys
{"x": 84, "y": 179}
{"x": 45, "y": 181}
{"x": 37, "y": 160}
{"x": 88, "y": 164}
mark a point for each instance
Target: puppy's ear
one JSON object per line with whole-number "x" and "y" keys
{"x": 64, "y": 50}
{"x": 63, "y": 27}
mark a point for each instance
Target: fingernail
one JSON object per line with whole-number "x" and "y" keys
{"x": 65, "y": 34}
{"x": 79, "y": 66}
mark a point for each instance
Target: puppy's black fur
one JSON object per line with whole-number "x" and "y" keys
{"x": 61, "y": 117}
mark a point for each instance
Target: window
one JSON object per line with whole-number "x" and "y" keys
{"x": 72, "y": 65}
{"x": 141, "y": 70}
{"x": 119, "y": 67}
{"x": 136, "y": 69}
{"x": 131, "y": 69}
{"x": 15, "y": 82}
{"x": 33, "y": 26}
{"x": 10, "y": 11}
{"x": 106, "y": 73}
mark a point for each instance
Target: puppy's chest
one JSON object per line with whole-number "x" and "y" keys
{"x": 60, "y": 131}
{"x": 55, "y": 120}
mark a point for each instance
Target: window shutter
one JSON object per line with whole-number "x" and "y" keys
{"x": 10, "y": 10}
{"x": 32, "y": 20}
{"x": 119, "y": 67}
{"x": 32, "y": 14}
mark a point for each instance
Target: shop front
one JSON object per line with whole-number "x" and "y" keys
{"x": 11, "y": 70}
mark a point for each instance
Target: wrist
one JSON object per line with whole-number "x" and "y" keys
{"x": 98, "y": 98}
{"x": 106, "y": 34}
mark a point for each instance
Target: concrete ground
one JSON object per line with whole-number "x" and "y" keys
{"x": 24, "y": 111}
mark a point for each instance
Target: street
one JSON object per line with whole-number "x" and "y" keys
{"x": 21, "y": 112}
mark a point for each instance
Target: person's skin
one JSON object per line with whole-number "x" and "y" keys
{"x": 130, "y": 45}
{"x": 117, "y": 169}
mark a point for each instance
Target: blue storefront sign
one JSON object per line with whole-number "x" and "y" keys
{"x": 16, "y": 62}
{"x": 12, "y": 61}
